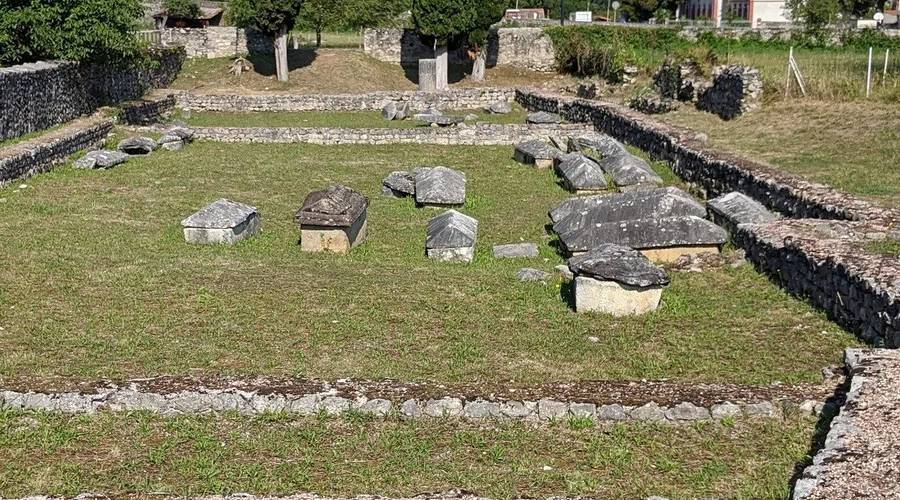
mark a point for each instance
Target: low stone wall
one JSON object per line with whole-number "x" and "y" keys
{"x": 735, "y": 90}
{"x": 34, "y": 97}
{"x": 474, "y": 135}
{"x": 372, "y": 101}
{"x": 599, "y": 401}
{"x": 528, "y": 48}
{"x": 148, "y": 110}
{"x": 216, "y": 41}
{"x": 860, "y": 459}
{"x": 713, "y": 171}
{"x": 41, "y": 154}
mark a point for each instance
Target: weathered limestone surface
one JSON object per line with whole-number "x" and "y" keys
{"x": 138, "y": 146}
{"x": 860, "y": 458}
{"x": 499, "y": 108}
{"x": 641, "y": 234}
{"x": 439, "y": 120}
{"x": 735, "y": 208}
{"x": 543, "y": 118}
{"x": 440, "y": 187}
{"x": 400, "y": 184}
{"x": 515, "y": 250}
{"x": 222, "y": 221}
{"x": 576, "y": 213}
{"x": 333, "y": 220}
{"x": 581, "y": 174}
{"x": 427, "y": 75}
{"x": 101, "y": 159}
{"x": 616, "y": 280}
{"x": 626, "y": 170}
{"x": 451, "y": 237}
{"x": 536, "y": 152}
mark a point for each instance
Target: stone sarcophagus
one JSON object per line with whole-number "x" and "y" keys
{"x": 222, "y": 221}
{"x": 333, "y": 220}
{"x": 617, "y": 280}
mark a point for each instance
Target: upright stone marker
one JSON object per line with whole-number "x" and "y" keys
{"x": 427, "y": 75}
{"x": 222, "y": 221}
{"x": 617, "y": 280}
{"x": 451, "y": 237}
{"x": 333, "y": 220}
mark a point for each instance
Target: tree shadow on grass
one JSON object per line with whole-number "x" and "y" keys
{"x": 264, "y": 63}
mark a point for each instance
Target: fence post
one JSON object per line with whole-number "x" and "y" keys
{"x": 787, "y": 77}
{"x": 869, "y": 75}
{"x": 884, "y": 73}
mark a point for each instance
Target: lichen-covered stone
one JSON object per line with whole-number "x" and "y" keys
{"x": 610, "y": 262}
{"x": 735, "y": 208}
{"x": 102, "y": 159}
{"x": 641, "y": 234}
{"x": 543, "y": 118}
{"x": 515, "y": 250}
{"x": 440, "y": 186}
{"x": 222, "y": 221}
{"x": 576, "y": 213}
{"x": 581, "y": 174}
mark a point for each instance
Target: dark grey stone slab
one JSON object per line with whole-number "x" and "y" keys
{"x": 627, "y": 170}
{"x": 581, "y": 173}
{"x": 102, "y": 159}
{"x": 529, "y": 151}
{"x": 401, "y": 183}
{"x": 220, "y": 214}
{"x": 737, "y": 208}
{"x": 543, "y": 118}
{"x": 594, "y": 144}
{"x": 440, "y": 186}
{"x": 499, "y": 108}
{"x": 515, "y": 250}
{"x": 451, "y": 229}
{"x": 651, "y": 203}
{"x": 644, "y": 234}
{"x": 136, "y": 146}
{"x": 335, "y": 206}
{"x": 621, "y": 264}
{"x": 439, "y": 120}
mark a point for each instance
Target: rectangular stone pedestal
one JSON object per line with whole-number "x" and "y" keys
{"x": 333, "y": 239}
{"x": 464, "y": 254}
{"x": 610, "y": 297}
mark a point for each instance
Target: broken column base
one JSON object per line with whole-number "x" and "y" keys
{"x": 463, "y": 254}
{"x": 228, "y": 236}
{"x": 671, "y": 254}
{"x": 333, "y": 239}
{"x": 610, "y": 297}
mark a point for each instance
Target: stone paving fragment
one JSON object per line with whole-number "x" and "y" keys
{"x": 440, "y": 187}
{"x": 574, "y": 213}
{"x": 529, "y": 275}
{"x": 222, "y": 221}
{"x": 515, "y": 250}
{"x": 333, "y": 220}
{"x": 101, "y": 159}
{"x": 436, "y": 120}
{"x": 499, "y": 108}
{"x": 543, "y": 118}
{"x": 451, "y": 237}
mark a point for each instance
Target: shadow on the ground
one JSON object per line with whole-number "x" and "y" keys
{"x": 264, "y": 63}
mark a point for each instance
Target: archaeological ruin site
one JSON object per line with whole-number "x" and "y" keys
{"x": 394, "y": 269}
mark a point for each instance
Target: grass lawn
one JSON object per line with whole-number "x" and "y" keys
{"x": 121, "y": 454}
{"x": 362, "y": 119}
{"x": 98, "y": 282}
{"x": 851, "y": 146}
{"x": 889, "y": 247}
{"x": 336, "y": 71}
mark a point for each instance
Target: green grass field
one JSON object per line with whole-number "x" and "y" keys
{"x": 140, "y": 454}
{"x": 361, "y": 119}
{"x": 98, "y": 282}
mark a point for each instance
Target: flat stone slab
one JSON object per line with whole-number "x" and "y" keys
{"x": 536, "y": 152}
{"x": 576, "y": 213}
{"x": 629, "y": 171}
{"x": 439, "y": 120}
{"x": 400, "y": 183}
{"x": 530, "y": 275}
{"x": 222, "y": 221}
{"x": 451, "y": 237}
{"x": 440, "y": 186}
{"x": 621, "y": 264}
{"x": 736, "y": 208}
{"x": 516, "y": 250}
{"x": 138, "y": 146}
{"x": 335, "y": 206}
{"x": 641, "y": 234}
{"x": 581, "y": 174}
{"x": 543, "y": 118}
{"x": 105, "y": 158}
{"x": 594, "y": 143}
{"x": 499, "y": 108}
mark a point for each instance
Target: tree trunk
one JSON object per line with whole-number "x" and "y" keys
{"x": 478, "y": 67}
{"x": 318, "y": 38}
{"x": 442, "y": 66}
{"x": 281, "y": 50}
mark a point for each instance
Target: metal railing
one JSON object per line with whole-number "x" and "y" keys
{"x": 150, "y": 37}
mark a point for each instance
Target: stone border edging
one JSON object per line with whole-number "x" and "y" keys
{"x": 859, "y": 458}
{"x": 469, "y": 135}
{"x": 717, "y": 172}
{"x": 466, "y": 98}
{"x": 42, "y": 153}
{"x": 598, "y": 401}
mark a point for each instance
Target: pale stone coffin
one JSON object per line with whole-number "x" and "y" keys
{"x": 617, "y": 280}
{"x": 451, "y": 237}
{"x": 333, "y": 220}
{"x": 222, "y": 221}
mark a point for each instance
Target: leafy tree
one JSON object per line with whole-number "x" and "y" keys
{"x": 362, "y": 14}
{"x": 80, "y": 30}
{"x": 487, "y": 12}
{"x": 274, "y": 18}
{"x": 319, "y": 15}
{"x": 186, "y": 9}
{"x": 815, "y": 16}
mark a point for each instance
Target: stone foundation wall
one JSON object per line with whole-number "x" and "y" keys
{"x": 34, "y": 97}
{"x": 735, "y": 90}
{"x": 475, "y": 135}
{"x": 216, "y": 41}
{"x": 41, "y": 154}
{"x": 372, "y": 101}
{"x": 527, "y": 48}
{"x": 148, "y": 110}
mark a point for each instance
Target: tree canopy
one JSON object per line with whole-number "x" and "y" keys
{"x": 188, "y": 9}
{"x": 266, "y": 16}
{"x": 79, "y": 30}
{"x": 448, "y": 20}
